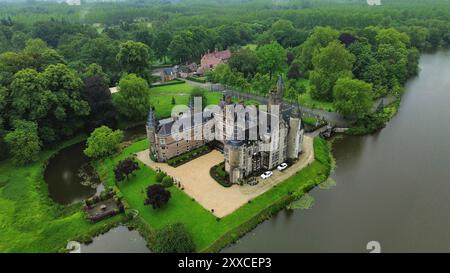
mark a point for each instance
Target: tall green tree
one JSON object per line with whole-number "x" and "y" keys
{"x": 181, "y": 48}
{"x": 320, "y": 38}
{"x": 244, "y": 60}
{"x": 353, "y": 97}
{"x": 271, "y": 58}
{"x": 103, "y": 142}
{"x": 135, "y": 57}
{"x": 23, "y": 142}
{"x": 330, "y": 63}
{"x": 132, "y": 99}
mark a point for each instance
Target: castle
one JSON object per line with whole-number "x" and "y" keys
{"x": 243, "y": 157}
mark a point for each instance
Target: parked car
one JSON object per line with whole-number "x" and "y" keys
{"x": 266, "y": 175}
{"x": 282, "y": 166}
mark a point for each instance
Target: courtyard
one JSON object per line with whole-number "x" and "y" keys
{"x": 221, "y": 201}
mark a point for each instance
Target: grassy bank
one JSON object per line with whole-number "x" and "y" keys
{"x": 210, "y": 233}
{"x": 29, "y": 220}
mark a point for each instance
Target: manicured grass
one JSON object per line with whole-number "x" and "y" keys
{"x": 208, "y": 232}
{"x": 161, "y": 98}
{"x": 309, "y": 121}
{"x": 306, "y": 100}
{"x": 29, "y": 220}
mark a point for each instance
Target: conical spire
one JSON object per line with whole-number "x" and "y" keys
{"x": 296, "y": 111}
{"x": 151, "y": 118}
{"x": 280, "y": 86}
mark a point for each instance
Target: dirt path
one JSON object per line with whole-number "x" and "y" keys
{"x": 194, "y": 177}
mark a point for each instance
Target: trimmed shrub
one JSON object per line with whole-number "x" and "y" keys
{"x": 157, "y": 196}
{"x": 173, "y": 238}
{"x": 167, "y": 182}
{"x": 160, "y": 176}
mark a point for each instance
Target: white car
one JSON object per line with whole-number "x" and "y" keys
{"x": 266, "y": 175}
{"x": 282, "y": 166}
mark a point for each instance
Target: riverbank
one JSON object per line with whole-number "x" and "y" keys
{"x": 30, "y": 220}
{"x": 210, "y": 233}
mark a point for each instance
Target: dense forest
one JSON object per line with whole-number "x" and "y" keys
{"x": 57, "y": 61}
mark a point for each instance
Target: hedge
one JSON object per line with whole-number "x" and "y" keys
{"x": 194, "y": 79}
{"x": 172, "y": 82}
{"x": 216, "y": 173}
{"x": 188, "y": 156}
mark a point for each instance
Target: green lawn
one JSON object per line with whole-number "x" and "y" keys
{"x": 29, "y": 220}
{"x": 306, "y": 100}
{"x": 210, "y": 234}
{"x": 161, "y": 98}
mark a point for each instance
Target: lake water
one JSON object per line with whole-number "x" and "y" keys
{"x": 61, "y": 174}
{"x": 393, "y": 187}
{"x": 117, "y": 240}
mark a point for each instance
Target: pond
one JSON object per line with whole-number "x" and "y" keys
{"x": 62, "y": 172}
{"x": 117, "y": 240}
{"x": 393, "y": 187}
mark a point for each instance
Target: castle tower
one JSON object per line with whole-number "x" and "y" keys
{"x": 233, "y": 160}
{"x": 295, "y": 135}
{"x": 276, "y": 96}
{"x": 151, "y": 131}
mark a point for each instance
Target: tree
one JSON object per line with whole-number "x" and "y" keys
{"x": 347, "y": 39}
{"x": 173, "y": 238}
{"x": 51, "y": 98}
{"x": 284, "y": 32}
{"x": 392, "y": 37}
{"x": 162, "y": 42}
{"x": 160, "y": 176}
{"x": 134, "y": 57}
{"x": 132, "y": 100}
{"x": 244, "y": 60}
{"x": 353, "y": 97}
{"x": 330, "y": 63}
{"x": 124, "y": 168}
{"x": 98, "y": 96}
{"x": 157, "y": 196}
{"x": 69, "y": 109}
{"x": 96, "y": 70}
{"x": 294, "y": 71}
{"x": 271, "y": 58}
{"x": 103, "y": 142}
{"x": 320, "y": 37}
{"x": 23, "y": 143}
{"x": 181, "y": 47}
{"x": 395, "y": 62}
{"x": 167, "y": 182}
{"x": 262, "y": 84}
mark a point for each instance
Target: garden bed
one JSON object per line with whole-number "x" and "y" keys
{"x": 188, "y": 156}
{"x": 220, "y": 175}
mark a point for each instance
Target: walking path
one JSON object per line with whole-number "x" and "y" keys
{"x": 197, "y": 182}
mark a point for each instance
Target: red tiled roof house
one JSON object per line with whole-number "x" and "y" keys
{"x": 211, "y": 60}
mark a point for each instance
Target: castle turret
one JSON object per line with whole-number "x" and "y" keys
{"x": 276, "y": 96}
{"x": 151, "y": 131}
{"x": 295, "y": 135}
